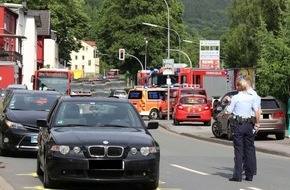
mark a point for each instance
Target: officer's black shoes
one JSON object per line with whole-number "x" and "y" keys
{"x": 248, "y": 179}
{"x": 235, "y": 179}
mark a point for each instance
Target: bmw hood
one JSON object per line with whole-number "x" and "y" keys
{"x": 113, "y": 136}
{"x": 26, "y": 117}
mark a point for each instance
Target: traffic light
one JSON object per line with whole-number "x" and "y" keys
{"x": 122, "y": 54}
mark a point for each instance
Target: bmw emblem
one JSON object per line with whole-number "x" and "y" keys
{"x": 106, "y": 142}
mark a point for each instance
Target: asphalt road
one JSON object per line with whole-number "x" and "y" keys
{"x": 196, "y": 130}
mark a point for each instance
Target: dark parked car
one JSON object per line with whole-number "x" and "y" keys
{"x": 97, "y": 139}
{"x": 222, "y": 103}
{"x": 272, "y": 120}
{"x": 16, "y": 86}
{"x": 21, "y": 109}
{"x": 121, "y": 93}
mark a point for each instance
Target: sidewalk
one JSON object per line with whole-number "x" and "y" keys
{"x": 269, "y": 145}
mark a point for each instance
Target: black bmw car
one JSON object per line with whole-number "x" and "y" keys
{"x": 97, "y": 139}
{"x": 18, "y": 114}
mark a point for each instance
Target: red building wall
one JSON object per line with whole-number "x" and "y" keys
{"x": 40, "y": 51}
{"x": 8, "y": 21}
{"x": 6, "y": 75}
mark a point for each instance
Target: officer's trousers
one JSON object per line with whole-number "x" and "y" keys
{"x": 243, "y": 140}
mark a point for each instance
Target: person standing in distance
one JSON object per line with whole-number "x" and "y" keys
{"x": 241, "y": 107}
{"x": 257, "y": 100}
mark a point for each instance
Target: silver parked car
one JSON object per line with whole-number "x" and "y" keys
{"x": 272, "y": 120}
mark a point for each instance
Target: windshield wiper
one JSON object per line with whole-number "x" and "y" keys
{"x": 112, "y": 125}
{"x": 73, "y": 125}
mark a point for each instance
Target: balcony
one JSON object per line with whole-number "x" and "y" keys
{"x": 11, "y": 56}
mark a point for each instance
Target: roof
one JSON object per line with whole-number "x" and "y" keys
{"x": 92, "y": 98}
{"x": 36, "y": 91}
{"x": 17, "y": 86}
{"x": 42, "y": 20}
{"x": 91, "y": 43}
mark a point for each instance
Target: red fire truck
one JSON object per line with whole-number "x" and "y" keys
{"x": 216, "y": 82}
{"x": 52, "y": 79}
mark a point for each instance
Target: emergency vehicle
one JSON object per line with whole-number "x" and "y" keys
{"x": 148, "y": 101}
{"x": 216, "y": 82}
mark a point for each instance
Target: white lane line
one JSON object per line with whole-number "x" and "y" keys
{"x": 190, "y": 170}
{"x": 254, "y": 188}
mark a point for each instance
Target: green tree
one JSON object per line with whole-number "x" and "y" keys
{"x": 245, "y": 17}
{"x": 273, "y": 64}
{"x": 120, "y": 25}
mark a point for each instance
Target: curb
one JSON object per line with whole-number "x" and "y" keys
{"x": 229, "y": 143}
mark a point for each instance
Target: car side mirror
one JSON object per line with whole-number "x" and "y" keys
{"x": 152, "y": 125}
{"x": 41, "y": 123}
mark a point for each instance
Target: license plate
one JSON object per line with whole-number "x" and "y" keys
{"x": 33, "y": 139}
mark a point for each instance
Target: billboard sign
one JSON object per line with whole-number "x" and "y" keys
{"x": 168, "y": 66}
{"x": 209, "y": 54}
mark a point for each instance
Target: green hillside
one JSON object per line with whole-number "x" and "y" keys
{"x": 208, "y": 17}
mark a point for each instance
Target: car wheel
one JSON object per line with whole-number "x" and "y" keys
{"x": 161, "y": 116}
{"x": 175, "y": 122}
{"x": 280, "y": 136}
{"x": 230, "y": 132}
{"x": 153, "y": 114}
{"x": 39, "y": 171}
{"x": 216, "y": 129}
{"x": 47, "y": 182}
{"x": 3, "y": 152}
{"x": 208, "y": 123}
{"x": 152, "y": 185}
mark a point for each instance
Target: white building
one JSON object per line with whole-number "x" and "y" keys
{"x": 51, "y": 57}
{"x": 84, "y": 59}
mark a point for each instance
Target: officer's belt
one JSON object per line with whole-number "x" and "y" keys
{"x": 246, "y": 120}
{"x": 240, "y": 119}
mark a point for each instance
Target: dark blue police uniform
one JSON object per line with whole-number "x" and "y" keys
{"x": 257, "y": 101}
{"x": 241, "y": 107}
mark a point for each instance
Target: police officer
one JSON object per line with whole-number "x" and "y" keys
{"x": 257, "y": 101}
{"x": 241, "y": 107}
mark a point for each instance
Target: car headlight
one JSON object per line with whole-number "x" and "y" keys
{"x": 60, "y": 148}
{"x": 145, "y": 151}
{"x": 14, "y": 125}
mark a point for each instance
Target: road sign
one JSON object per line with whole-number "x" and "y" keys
{"x": 168, "y": 66}
{"x": 209, "y": 54}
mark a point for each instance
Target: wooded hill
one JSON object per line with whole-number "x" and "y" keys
{"x": 207, "y": 17}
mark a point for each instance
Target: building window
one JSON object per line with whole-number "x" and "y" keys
{"x": 83, "y": 48}
{"x": 83, "y": 67}
{"x": 89, "y": 62}
{"x": 86, "y": 48}
{"x": 76, "y": 57}
{"x": 76, "y": 67}
{"x": 83, "y": 57}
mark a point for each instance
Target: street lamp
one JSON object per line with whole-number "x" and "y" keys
{"x": 168, "y": 31}
{"x": 145, "y": 61}
{"x": 179, "y": 40}
{"x": 168, "y": 57}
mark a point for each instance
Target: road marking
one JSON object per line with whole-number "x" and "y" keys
{"x": 31, "y": 174}
{"x": 35, "y": 187}
{"x": 254, "y": 188}
{"x": 190, "y": 170}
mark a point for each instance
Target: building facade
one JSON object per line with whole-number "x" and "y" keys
{"x": 85, "y": 60}
{"x": 23, "y": 34}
